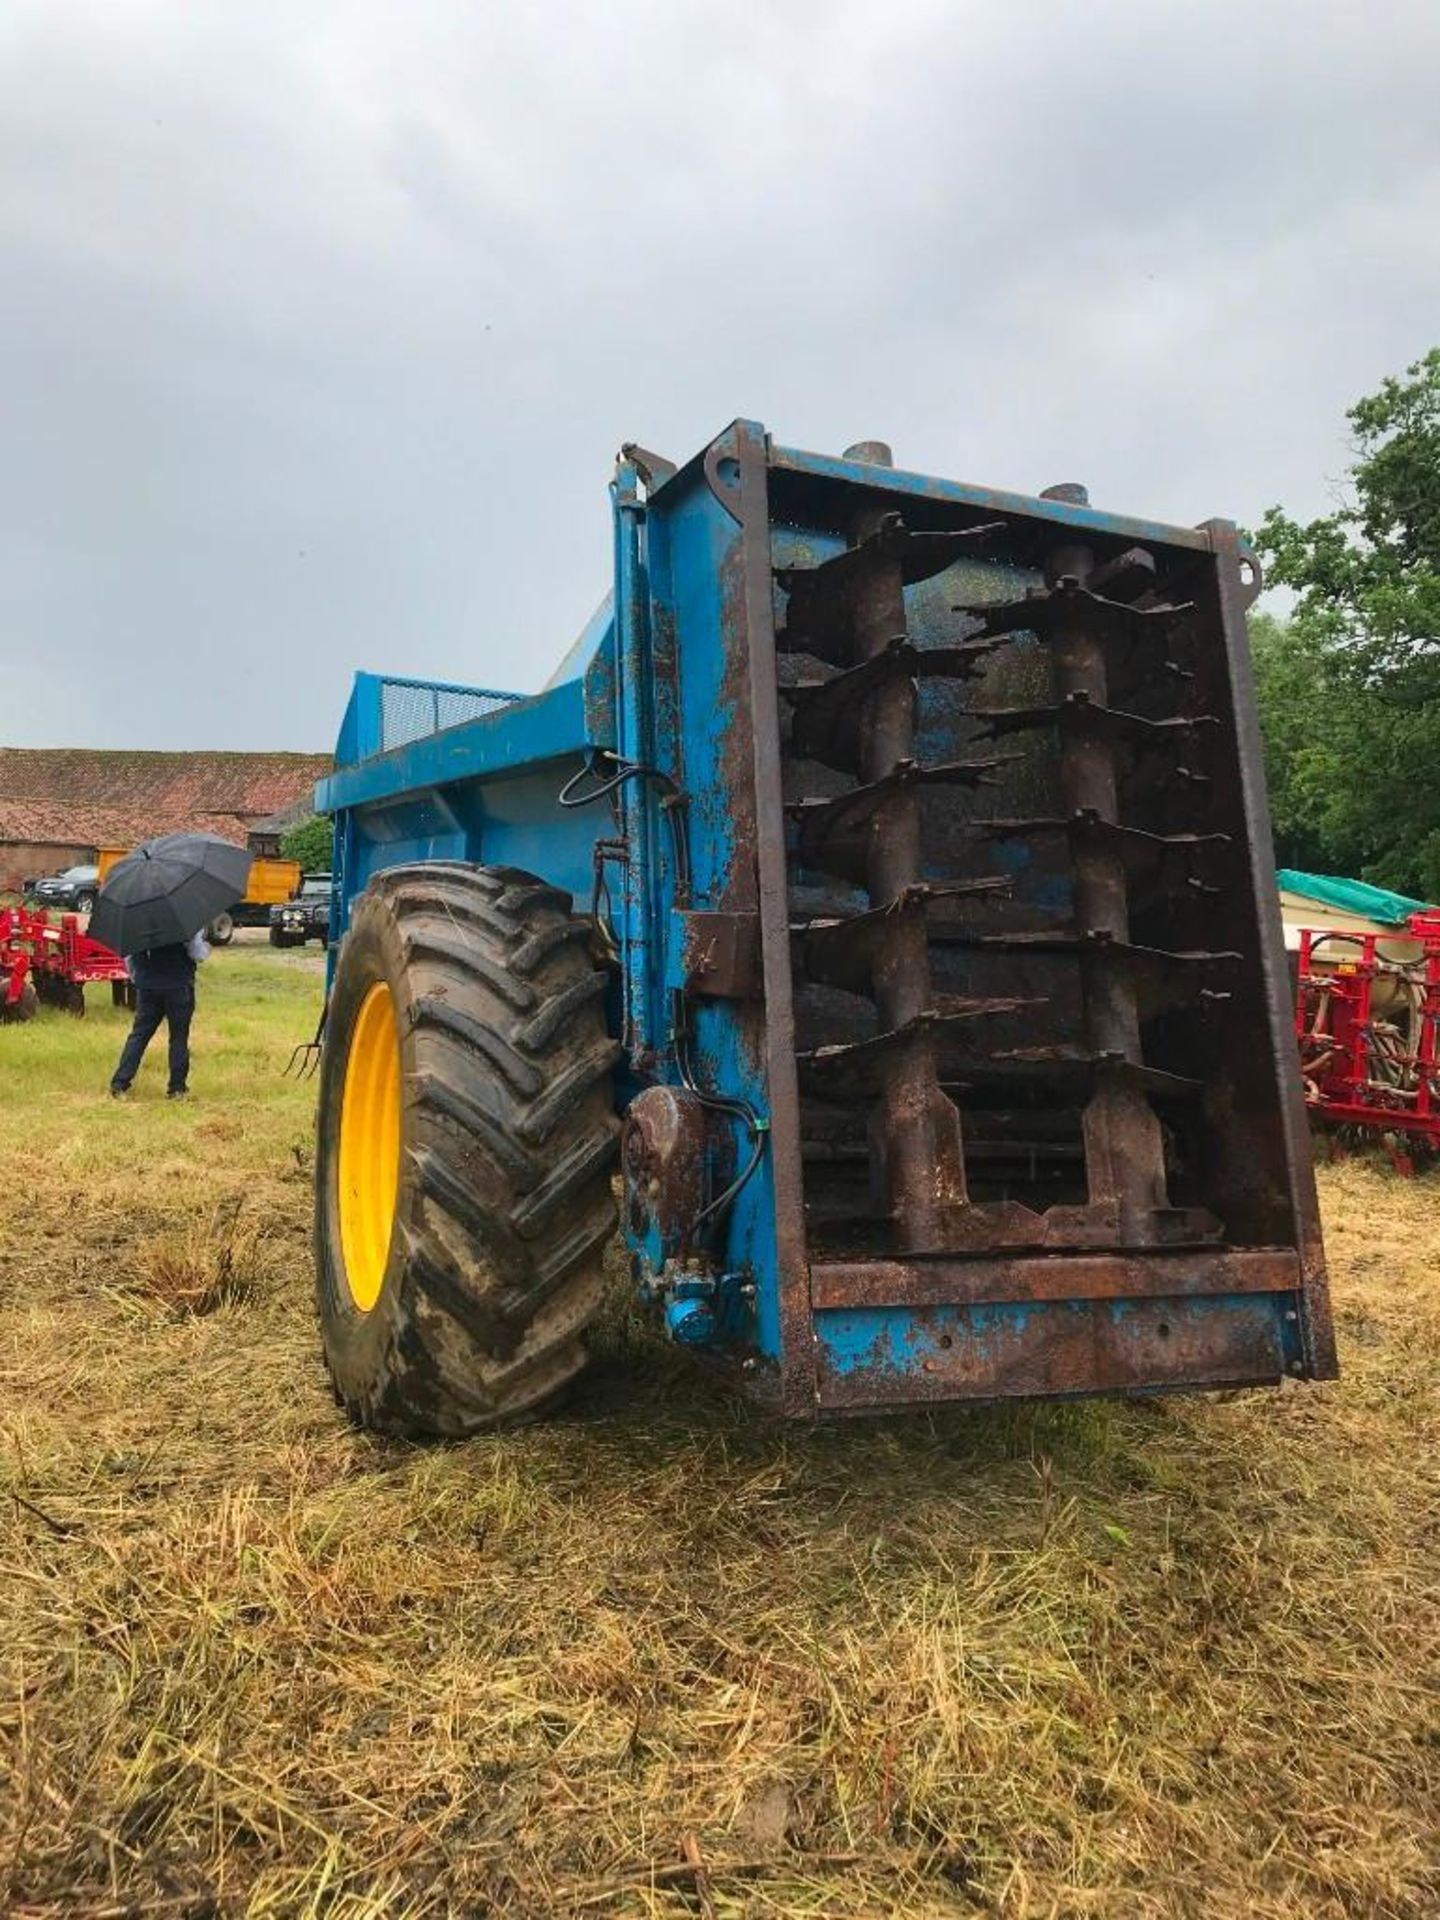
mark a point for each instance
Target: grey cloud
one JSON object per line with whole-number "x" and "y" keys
{"x": 321, "y": 325}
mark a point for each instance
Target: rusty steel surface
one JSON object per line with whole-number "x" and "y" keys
{"x": 829, "y": 713}
{"x": 1124, "y": 1152}
{"x": 754, "y": 634}
{"x": 1136, "y": 719}
{"x": 1111, "y": 1276}
{"x": 663, "y": 1151}
{"x": 850, "y": 611}
{"x": 898, "y": 1356}
{"x": 1230, "y": 598}
{"x": 1149, "y": 762}
{"x": 720, "y": 954}
{"x": 840, "y": 476}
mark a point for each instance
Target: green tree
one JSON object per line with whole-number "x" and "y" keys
{"x": 312, "y": 843}
{"x": 1298, "y": 758}
{"x": 1350, "y": 685}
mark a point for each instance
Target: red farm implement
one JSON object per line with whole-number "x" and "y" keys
{"x": 1367, "y": 1016}
{"x": 42, "y": 959}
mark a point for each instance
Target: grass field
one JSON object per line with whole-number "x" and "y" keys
{"x": 661, "y": 1657}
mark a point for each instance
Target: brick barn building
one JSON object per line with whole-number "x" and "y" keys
{"x": 60, "y": 805}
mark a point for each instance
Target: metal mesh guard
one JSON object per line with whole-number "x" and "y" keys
{"x": 414, "y": 709}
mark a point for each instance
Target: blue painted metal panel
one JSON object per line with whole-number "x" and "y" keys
{"x": 482, "y": 791}
{"x": 1026, "y": 1347}
{"x": 547, "y": 727}
{"x": 701, "y": 736}
{"x": 923, "y": 486}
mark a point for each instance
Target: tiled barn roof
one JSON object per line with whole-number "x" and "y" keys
{"x": 51, "y": 823}
{"x": 78, "y": 796}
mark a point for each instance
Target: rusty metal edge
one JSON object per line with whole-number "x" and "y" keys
{"x": 832, "y": 1410}
{"x": 720, "y": 953}
{"x": 798, "y": 1383}
{"x": 1023, "y": 507}
{"x": 852, "y": 1396}
{"x": 970, "y": 1283}
{"x": 1316, "y": 1326}
{"x": 1061, "y": 1348}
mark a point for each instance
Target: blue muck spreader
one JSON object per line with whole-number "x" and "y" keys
{"x": 876, "y": 912}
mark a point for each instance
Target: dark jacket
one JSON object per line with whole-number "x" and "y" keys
{"x": 159, "y": 969}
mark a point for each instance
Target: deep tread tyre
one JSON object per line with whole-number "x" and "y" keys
{"x": 504, "y": 1203}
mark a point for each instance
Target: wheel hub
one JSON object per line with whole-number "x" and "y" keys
{"x": 369, "y": 1168}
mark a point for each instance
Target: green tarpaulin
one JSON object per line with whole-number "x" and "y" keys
{"x": 1351, "y": 896}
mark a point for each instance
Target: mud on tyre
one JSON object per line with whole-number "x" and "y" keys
{"x": 466, "y": 1136}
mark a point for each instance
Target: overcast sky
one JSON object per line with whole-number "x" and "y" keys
{"x": 321, "y": 320}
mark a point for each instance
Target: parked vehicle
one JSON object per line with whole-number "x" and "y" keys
{"x": 306, "y": 917}
{"x": 72, "y": 891}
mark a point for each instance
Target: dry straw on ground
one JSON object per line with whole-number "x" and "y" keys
{"x": 662, "y": 1658}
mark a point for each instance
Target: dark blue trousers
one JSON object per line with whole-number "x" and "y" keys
{"x": 175, "y": 1006}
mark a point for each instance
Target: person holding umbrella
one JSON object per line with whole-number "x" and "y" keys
{"x": 152, "y": 909}
{"x": 164, "y": 980}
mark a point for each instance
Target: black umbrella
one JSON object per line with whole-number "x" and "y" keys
{"x": 168, "y": 890}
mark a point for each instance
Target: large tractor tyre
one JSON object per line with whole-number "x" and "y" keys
{"x": 221, "y": 930}
{"x": 467, "y": 1132}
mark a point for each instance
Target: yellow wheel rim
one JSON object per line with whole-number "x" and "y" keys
{"x": 370, "y": 1146}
